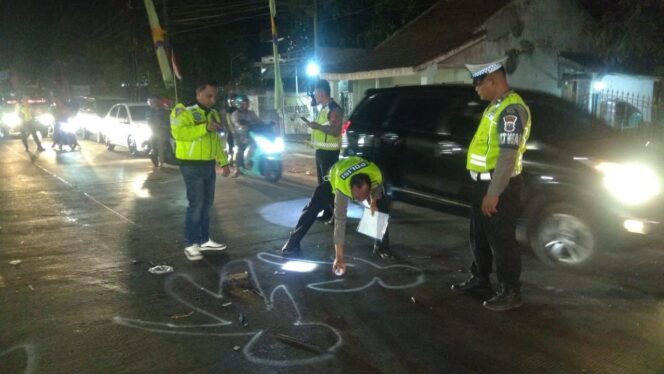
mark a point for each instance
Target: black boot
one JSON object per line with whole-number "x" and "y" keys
{"x": 473, "y": 284}
{"x": 382, "y": 251}
{"x": 507, "y": 298}
{"x": 291, "y": 249}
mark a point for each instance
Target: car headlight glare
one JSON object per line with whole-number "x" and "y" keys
{"x": 46, "y": 119}
{"x": 11, "y": 119}
{"x": 631, "y": 184}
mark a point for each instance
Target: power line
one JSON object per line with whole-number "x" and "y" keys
{"x": 219, "y": 24}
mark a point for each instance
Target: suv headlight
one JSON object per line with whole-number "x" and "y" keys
{"x": 11, "y": 119}
{"x": 631, "y": 184}
{"x": 46, "y": 119}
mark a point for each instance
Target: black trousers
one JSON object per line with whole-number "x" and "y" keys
{"x": 324, "y": 161}
{"x": 28, "y": 129}
{"x": 494, "y": 238}
{"x": 324, "y": 198}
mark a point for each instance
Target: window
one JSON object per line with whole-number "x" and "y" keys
{"x": 139, "y": 112}
{"x": 113, "y": 112}
{"x": 426, "y": 114}
{"x": 122, "y": 114}
{"x": 466, "y": 118}
{"x": 372, "y": 111}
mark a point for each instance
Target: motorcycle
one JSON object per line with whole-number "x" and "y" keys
{"x": 65, "y": 134}
{"x": 262, "y": 156}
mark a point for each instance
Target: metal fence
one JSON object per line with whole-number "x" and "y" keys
{"x": 624, "y": 110}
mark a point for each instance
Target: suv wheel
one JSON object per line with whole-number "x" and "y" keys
{"x": 109, "y": 145}
{"x": 563, "y": 236}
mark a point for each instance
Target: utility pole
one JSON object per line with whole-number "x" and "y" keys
{"x": 316, "y": 31}
{"x": 169, "y": 48}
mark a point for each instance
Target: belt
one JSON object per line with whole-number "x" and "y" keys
{"x": 480, "y": 176}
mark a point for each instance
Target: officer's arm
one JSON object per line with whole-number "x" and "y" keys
{"x": 510, "y": 134}
{"x": 184, "y": 127}
{"x": 340, "y": 212}
{"x": 335, "y": 123}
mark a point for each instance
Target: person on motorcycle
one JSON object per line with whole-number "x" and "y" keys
{"x": 62, "y": 137}
{"x": 242, "y": 120}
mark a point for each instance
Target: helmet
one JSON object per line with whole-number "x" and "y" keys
{"x": 239, "y": 99}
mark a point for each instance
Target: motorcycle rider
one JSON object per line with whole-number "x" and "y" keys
{"x": 242, "y": 120}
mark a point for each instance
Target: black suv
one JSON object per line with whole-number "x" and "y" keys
{"x": 584, "y": 181}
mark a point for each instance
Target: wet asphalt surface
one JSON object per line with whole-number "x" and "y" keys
{"x": 86, "y": 226}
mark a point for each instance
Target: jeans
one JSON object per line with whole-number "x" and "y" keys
{"x": 199, "y": 181}
{"x": 324, "y": 161}
{"x": 494, "y": 238}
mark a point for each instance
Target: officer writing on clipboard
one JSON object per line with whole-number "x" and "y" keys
{"x": 351, "y": 178}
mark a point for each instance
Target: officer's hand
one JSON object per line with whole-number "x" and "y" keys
{"x": 339, "y": 266}
{"x": 373, "y": 206}
{"x": 212, "y": 126}
{"x": 489, "y": 204}
{"x": 225, "y": 171}
{"x": 313, "y": 125}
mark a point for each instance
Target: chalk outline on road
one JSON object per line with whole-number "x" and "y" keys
{"x": 319, "y": 286}
{"x": 30, "y": 353}
{"x": 178, "y": 329}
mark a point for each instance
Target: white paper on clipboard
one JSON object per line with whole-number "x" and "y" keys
{"x": 373, "y": 226}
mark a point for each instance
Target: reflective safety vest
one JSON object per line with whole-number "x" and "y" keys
{"x": 321, "y": 140}
{"x": 25, "y": 112}
{"x": 342, "y": 171}
{"x": 192, "y": 139}
{"x": 484, "y": 148}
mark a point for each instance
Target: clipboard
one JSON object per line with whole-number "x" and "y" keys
{"x": 373, "y": 226}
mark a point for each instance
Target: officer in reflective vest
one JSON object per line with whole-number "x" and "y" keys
{"x": 27, "y": 124}
{"x": 352, "y": 178}
{"x": 494, "y": 164}
{"x": 199, "y": 149}
{"x": 326, "y": 134}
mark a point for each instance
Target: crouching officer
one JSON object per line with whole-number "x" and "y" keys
{"x": 494, "y": 164}
{"x": 351, "y": 178}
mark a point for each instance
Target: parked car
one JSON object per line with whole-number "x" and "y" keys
{"x": 584, "y": 182}
{"x": 90, "y": 113}
{"x": 126, "y": 125}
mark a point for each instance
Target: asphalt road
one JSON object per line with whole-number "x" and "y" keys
{"x": 86, "y": 226}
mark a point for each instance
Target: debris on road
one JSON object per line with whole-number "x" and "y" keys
{"x": 180, "y": 316}
{"x": 226, "y": 304}
{"x": 236, "y": 348}
{"x": 243, "y": 320}
{"x": 297, "y": 343}
{"x": 31, "y": 288}
{"x": 161, "y": 269}
{"x": 412, "y": 298}
{"x": 15, "y": 262}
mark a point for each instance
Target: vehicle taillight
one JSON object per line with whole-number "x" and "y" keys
{"x": 345, "y": 127}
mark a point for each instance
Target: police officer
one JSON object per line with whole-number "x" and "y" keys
{"x": 351, "y": 178}
{"x": 28, "y": 126}
{"x": 494, "y": 164}
{"x": 198, "y": 148}
{"x": 326, "y": 134}
{"x": 242, "y": 119}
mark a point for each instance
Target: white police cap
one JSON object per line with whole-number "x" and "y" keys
{"x": 479, "y": 70}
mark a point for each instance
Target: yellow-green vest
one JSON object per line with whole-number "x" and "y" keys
{"x": 192, "y": 139}
{"x": 484, "y": 148}
{"x": 343, "y": 170}
{"x": 321, "y": 140}
{"x": 25, "y": 112}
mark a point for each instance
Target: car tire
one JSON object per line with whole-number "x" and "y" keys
{"x": 562, "y": 235}
{"x": 99, "y": 137}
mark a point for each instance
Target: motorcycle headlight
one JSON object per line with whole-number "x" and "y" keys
{"x": 631, "y": 184}
{"x": 267, "y": 146}
{"x": 46, "y": 119}
{"x": 11, "y": 119}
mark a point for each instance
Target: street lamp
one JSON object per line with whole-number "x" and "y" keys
{"x": 313, "y": 70}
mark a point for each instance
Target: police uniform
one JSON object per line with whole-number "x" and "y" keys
{"x": 494, "y": 163}
{"x": 336, "y": 190}
{"x": 327, "y": 146}
{"x": 28, "y": 126}
{"x": 197, "y": 150}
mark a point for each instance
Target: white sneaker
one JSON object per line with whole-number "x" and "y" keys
{"x": 212, "y": 246}
{"x": 193, "y": 253}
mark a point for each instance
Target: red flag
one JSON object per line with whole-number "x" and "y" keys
{"x": 176, "y": 68}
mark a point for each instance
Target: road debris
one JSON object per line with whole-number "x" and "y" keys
{"x": 31, "y": 288}
{"x": 236, "y": 348}
{"x": 297, "y": 343}
{"x": 161, "y": 269}
{"x": 228, "y": 303}
{"x": 15, "y": 262}
{"x": 180, "y": 316}
{"x": 243, "y": 320}
{"x": 412, "y": 298}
